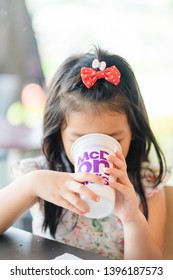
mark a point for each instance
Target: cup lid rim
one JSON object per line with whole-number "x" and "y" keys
{"x": 96, "y": 134}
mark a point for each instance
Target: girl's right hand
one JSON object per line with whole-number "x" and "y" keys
{"x": 64, "y": 189}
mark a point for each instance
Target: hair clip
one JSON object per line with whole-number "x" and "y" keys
{"x": 96, "y": 64}
{"x": 89, "y": 76}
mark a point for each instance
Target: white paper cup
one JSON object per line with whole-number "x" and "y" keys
{"x": 89, "y": 154}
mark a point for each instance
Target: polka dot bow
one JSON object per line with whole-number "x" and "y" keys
{"x": 90, "y": 76}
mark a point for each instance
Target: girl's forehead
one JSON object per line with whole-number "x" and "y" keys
{"x": 99, "y": 118}
{"x": 93, "y": 108}
{"x": 91, "y": 111}
{"x": 82, "y": 123}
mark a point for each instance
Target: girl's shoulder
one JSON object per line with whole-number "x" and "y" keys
{"x": 149, "y": 173}
{"x": 26, "y": 165}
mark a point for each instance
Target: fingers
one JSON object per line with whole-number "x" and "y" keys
{"x": 65, "y": 203}
{"x": 128, "y": 193}
{"x": 74, "y": 200}
{"x": 88, "y": 177}
{"x": 121, "y": 188}
{"x": 119, "y": 171}
{"x": 118, "y": 160}
{"x": 83, "y": 189}
{"x": 71, "y": 198}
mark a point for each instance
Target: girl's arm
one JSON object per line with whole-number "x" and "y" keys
{"x": 145, "y": 239}
{"x": 15, "y": 199}
{"x": 62, "y": 189}
{"x": 142, "y": 239}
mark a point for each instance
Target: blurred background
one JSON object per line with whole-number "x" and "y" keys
{"x": 37, "y": 35}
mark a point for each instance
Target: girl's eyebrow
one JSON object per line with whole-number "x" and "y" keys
{"x": 116, "y": 133}
{"x": 75, "y": 134}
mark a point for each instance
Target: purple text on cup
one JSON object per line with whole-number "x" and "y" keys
{"x": 91, "y": 162}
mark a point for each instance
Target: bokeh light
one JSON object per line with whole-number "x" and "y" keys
{"x": 28, "y": 111}
{"x": 15, "y": 113}
{"x": 33, "y": 97}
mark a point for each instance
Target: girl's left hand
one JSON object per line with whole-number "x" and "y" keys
{"x": 126, "y": 202}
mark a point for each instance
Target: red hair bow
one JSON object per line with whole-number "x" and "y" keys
{"x": 90, "y": 76}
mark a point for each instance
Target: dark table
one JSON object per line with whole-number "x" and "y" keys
{"x": 17, "y": 244}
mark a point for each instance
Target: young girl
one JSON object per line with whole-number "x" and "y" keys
{"x": 94, "y": 93}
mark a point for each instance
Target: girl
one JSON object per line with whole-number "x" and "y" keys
{"x": 88, "y": 96}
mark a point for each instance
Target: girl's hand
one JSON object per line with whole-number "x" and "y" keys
{"x": 126, "y": 202}
{"x": 64, "y": 189}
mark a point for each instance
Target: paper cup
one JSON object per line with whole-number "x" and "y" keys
{"x": 89, "y": 154}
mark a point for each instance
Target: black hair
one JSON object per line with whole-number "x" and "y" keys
{"x": 67, "y": 93}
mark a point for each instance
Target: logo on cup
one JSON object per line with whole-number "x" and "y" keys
{"x": 94, "y": 162}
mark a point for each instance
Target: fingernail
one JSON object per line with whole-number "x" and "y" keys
{"x": 97, "y": 198}
{"x": 103, "y": 181}
{"x": 81, "y": 213}
{"x": 106, "y": 170}
{"x": 111, "y": 181}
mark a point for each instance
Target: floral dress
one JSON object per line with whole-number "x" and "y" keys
{"x": 102, "y": 236}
